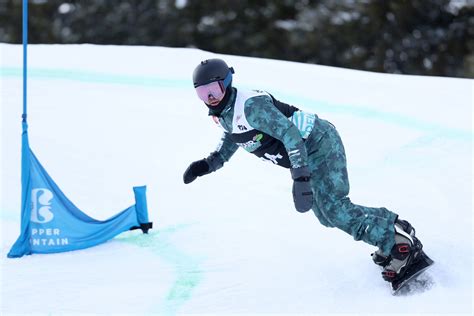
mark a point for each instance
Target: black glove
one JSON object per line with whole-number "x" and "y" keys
{"x": 196, "y": 169}
{"x": 302, "y": 192}
{"x": 203, "y": 167}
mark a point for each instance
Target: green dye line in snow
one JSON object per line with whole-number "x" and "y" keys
{"x": 316, "y": 105}
{"x": 187, "y": 269}
{"x": 94, "y": 77}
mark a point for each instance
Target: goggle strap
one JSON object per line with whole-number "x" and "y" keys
{"x": 227, "y": 79}
{"x": 221, "y": 84}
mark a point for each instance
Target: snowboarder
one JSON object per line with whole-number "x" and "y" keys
{"x": 313, "y": 151}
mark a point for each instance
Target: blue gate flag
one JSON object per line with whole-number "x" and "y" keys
{"x": 51, "y": 223}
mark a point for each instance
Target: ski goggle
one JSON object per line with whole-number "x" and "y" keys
{"x": 215, "y": 89}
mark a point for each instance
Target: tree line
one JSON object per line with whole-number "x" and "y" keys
{"x": 420, "y": 37}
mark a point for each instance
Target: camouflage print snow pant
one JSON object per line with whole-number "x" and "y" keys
{"x": 332, "y": 206}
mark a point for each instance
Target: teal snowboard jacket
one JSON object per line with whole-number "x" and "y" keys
{"x": 260, "y": 124}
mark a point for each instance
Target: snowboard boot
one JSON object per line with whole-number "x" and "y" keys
{"x": 382, "y": 260}
{"x": 406, "y": 251}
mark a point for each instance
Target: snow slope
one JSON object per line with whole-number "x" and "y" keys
{"x": 105, "y": 118}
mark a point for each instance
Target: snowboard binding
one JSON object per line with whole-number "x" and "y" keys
{"x": 407, "y": 259}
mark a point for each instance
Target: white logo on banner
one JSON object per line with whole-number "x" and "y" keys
{"x": 41, "y": 206}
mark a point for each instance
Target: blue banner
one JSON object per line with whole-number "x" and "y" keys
{"x": 51, "y": 223}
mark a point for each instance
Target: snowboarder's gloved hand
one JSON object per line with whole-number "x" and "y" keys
{"x": 196, "y": 169}
{"x": 203, "y": 167}
{"x": 302, "y": 192}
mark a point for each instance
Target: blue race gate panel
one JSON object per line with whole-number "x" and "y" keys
{"x": 50, "y": 222}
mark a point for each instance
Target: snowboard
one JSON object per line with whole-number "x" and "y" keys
{"x": 410, "y": 278}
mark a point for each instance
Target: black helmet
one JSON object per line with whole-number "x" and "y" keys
{"x": 211, "y": 70}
